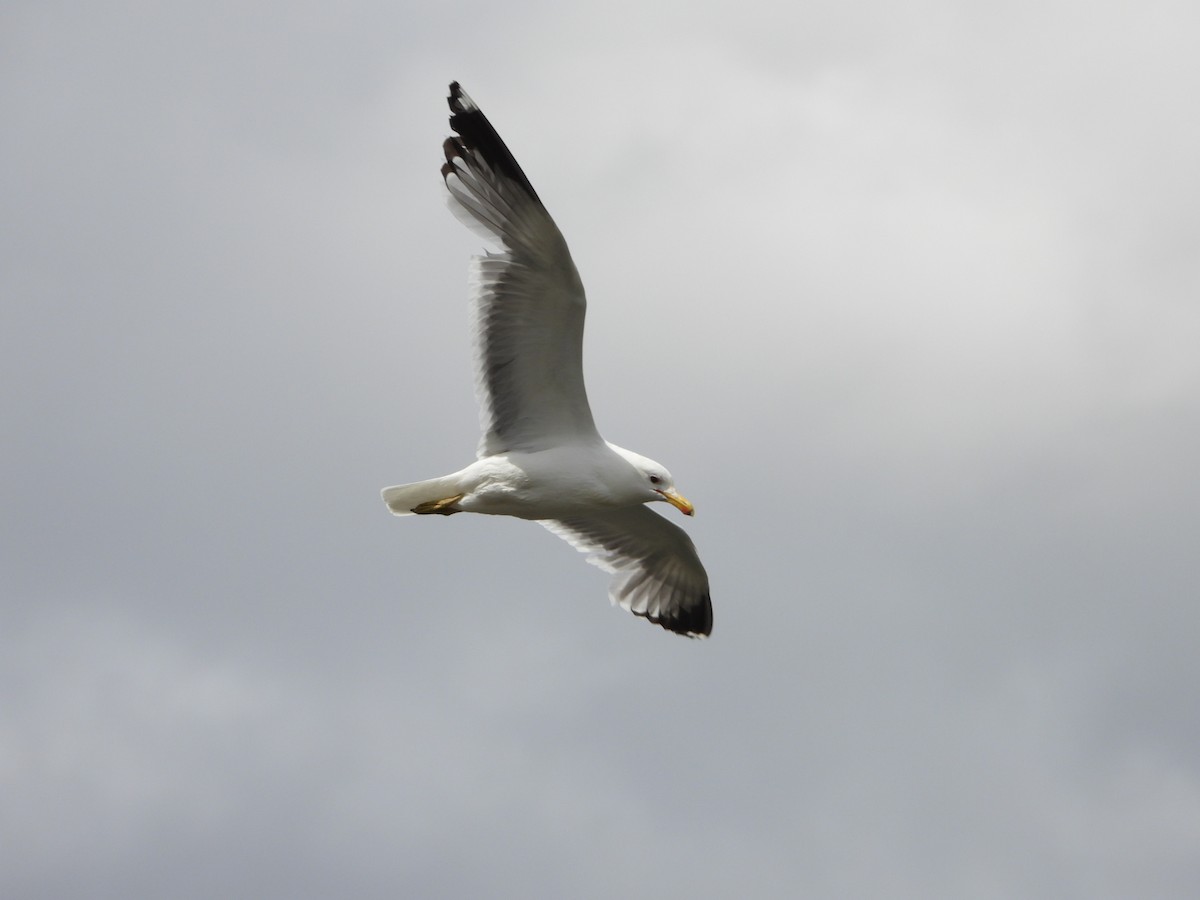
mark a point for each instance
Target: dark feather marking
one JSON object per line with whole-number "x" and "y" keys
{"x": 477, "y": 134}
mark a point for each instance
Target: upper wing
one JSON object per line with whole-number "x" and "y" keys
{"x": 528, "y": 305}
{"x": 658, "y": 574}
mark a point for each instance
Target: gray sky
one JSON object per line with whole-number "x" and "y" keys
{"x": 904, "y": 295}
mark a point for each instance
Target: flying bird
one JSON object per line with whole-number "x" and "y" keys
{"x": 540, "y": 456}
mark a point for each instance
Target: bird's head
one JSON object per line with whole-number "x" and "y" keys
{"x": 654, "y": 482}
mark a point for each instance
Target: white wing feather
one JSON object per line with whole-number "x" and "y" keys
{"x": 528, "y": 305}
{"x": 658, "y": 573}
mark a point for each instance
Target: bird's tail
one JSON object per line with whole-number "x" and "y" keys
{"x": 404, "y": 499}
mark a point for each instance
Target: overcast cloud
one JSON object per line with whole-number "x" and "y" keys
{"x": 905, "y": 295}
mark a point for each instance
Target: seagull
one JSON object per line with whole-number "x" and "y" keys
{"x": 540, "y": 456}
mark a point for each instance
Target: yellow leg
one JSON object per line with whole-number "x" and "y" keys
{"x": 444, "y": 507}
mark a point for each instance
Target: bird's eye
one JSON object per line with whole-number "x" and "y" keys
{"x": 654, "y": 479}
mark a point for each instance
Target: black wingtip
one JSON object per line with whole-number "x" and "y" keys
{"x": 460, "y": 101}
{"x": 693, "y": 622}
{"x": 475, "y": 133}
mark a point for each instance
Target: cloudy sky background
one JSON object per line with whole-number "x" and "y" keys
{"x": 906, "y": 296}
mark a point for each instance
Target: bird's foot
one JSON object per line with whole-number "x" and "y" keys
{"x": 444, "y": 507}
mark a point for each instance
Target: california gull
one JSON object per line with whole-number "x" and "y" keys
{"x": 540, "y": 456}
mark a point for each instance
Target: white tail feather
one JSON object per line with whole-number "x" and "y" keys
{"x": 402, "y": 498}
